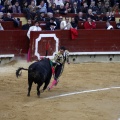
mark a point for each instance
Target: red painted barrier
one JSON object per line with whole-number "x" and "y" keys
{"x": 9, "y": 25}
{"x": 13, "y": 42}
{"x": 87, "y": 41}
{"x": 16, "y": 42}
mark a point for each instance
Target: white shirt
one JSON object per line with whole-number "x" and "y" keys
{"x": 58, "y": 2}
{"x": 1, "y": 28}
{"x": 35, "y": 2}
{"x": 64, "y": 25}
{"x": 33, "y": 28}
{"x": 109, "y": 27}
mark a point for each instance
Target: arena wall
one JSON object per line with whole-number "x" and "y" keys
{"x": 17, "y": 43}
{"x": 87, "y": 41}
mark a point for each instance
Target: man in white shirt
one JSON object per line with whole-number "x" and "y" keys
{"x": 58, "y": 2}
{"x": 65, "y": 24}
{"x": 109, "y": 26}
{"x": 34, "y": 28}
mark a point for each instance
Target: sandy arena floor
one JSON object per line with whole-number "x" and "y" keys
{"x": 90, "y": 105}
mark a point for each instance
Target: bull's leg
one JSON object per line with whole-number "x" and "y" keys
{"x": 29, "y": 88}
{"x": 46, "y": 84}
{"x": 38, "y": 88}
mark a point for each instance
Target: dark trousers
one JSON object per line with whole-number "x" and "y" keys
{"x": 58, "y": 71}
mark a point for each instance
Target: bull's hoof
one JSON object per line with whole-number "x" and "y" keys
{"x": 38, "y": 96}
{"x": 28, "y": 95}
{"x": 38, "y": 93}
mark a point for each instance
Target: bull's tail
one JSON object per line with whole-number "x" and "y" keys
{"x": 18, "y": 73}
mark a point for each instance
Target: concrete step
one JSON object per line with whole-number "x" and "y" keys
{"x": 79, "y": 57}
{"x": 6, "y": 58}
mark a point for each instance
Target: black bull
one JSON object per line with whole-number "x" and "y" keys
{"x": 39, "y": 72}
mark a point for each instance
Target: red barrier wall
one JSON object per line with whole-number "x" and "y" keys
{"x": 42, "y": 43}
{"x": 87, "y": 41}
{"x": 13, "y": 42}
{"x": 92, "y": 40}
{"x": 16, "y": 42}
{"x": 9, "y": 25}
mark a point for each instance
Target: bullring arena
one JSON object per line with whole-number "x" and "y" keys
{"x": 86, "y": 91}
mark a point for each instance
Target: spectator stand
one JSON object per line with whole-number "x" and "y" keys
{"x": 99, "y": 24}
{"x": 21, "y": 16}
{"x": 70, "y": 15}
